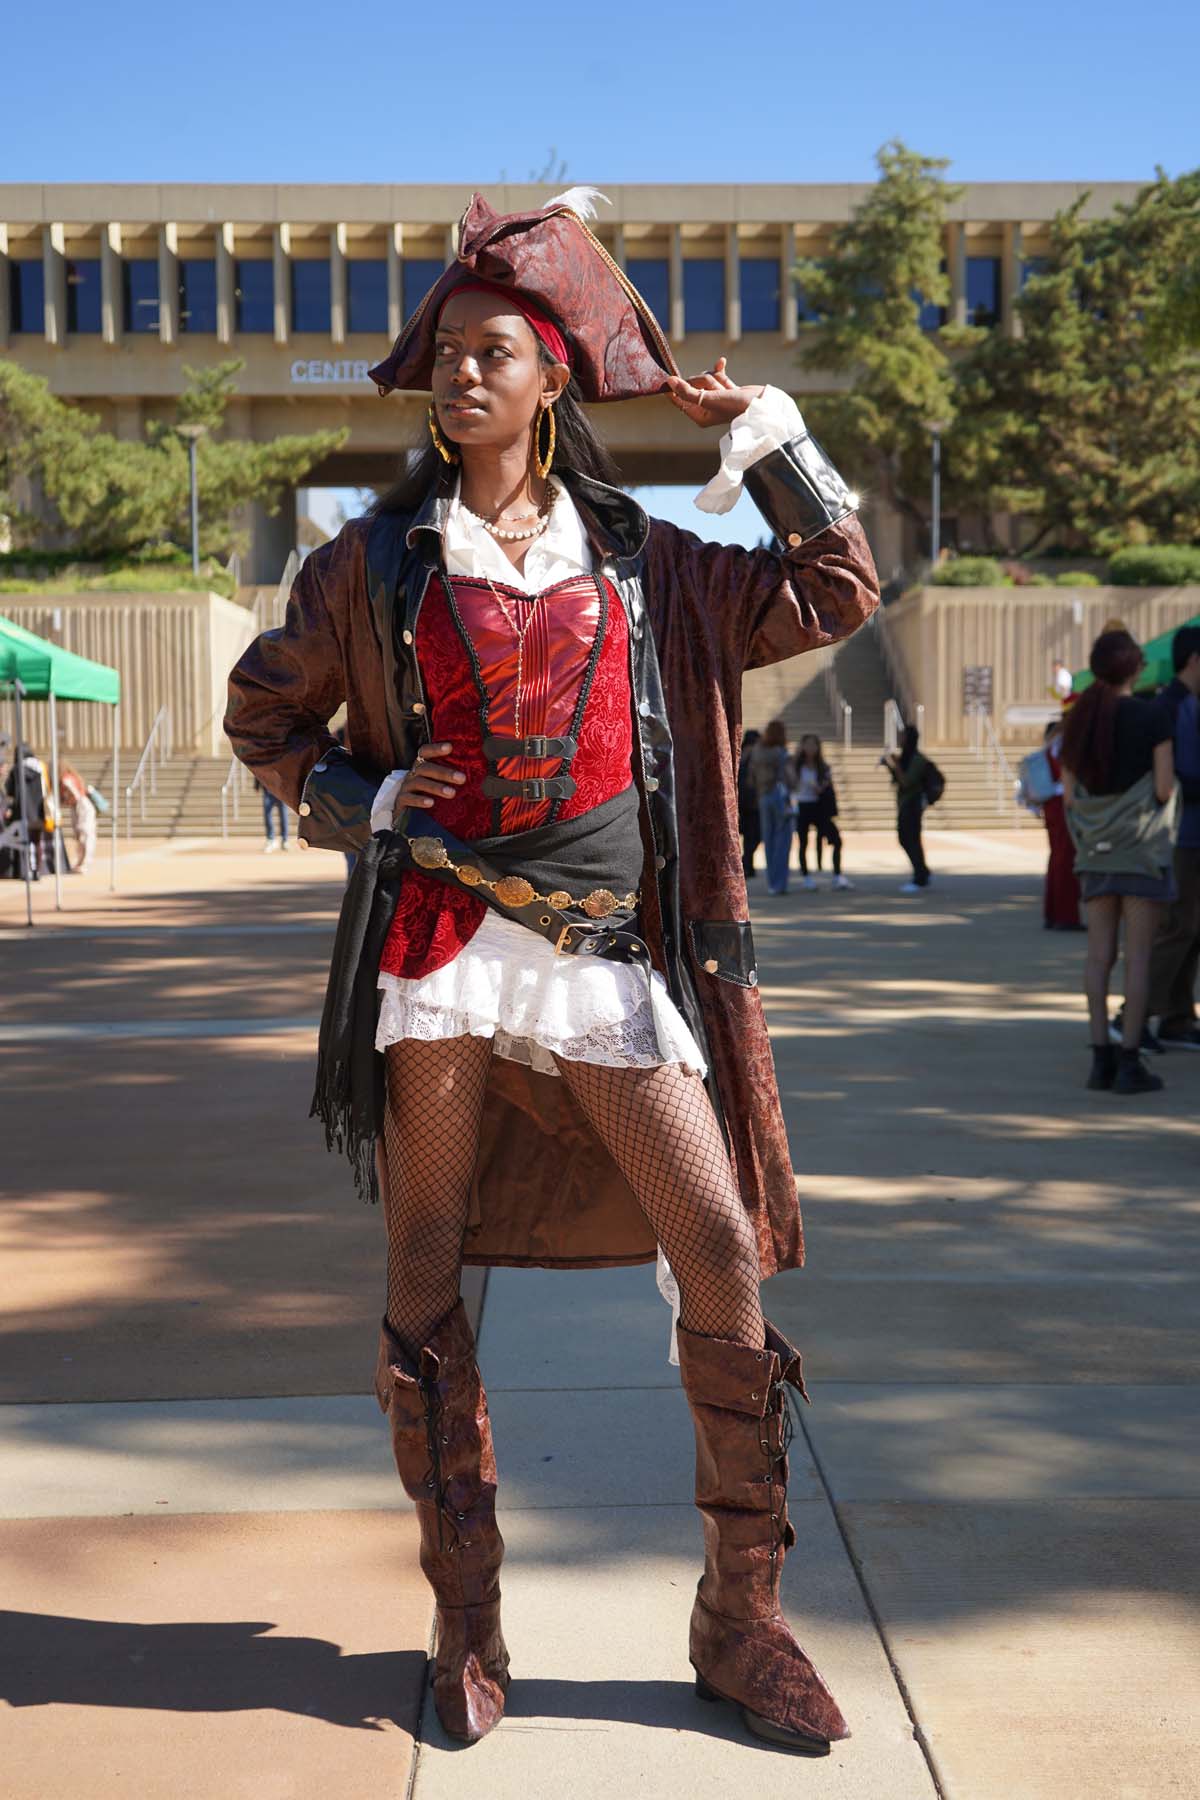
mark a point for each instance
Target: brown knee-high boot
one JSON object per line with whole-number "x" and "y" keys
{"x": 442, "y": 1439}
{"x": 741, "y": 1647}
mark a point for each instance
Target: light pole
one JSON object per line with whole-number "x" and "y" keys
{"x": 935, "y": 429}
{"x": 192, "y": 435}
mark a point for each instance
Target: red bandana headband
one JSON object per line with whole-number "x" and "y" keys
{"x": 539, "y": 323}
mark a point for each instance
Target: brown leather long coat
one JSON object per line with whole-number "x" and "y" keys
{"x": 546, "y": 1192}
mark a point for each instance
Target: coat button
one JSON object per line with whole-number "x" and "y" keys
{"x": 752, "y": 978}
{"x": 303, "y": 843}
{"x": 660, "y": 862}
{"x": 418, "y": 706}
{"x": 644, "y": 709}
{"x": 795, "y": 540}
{"x": 304, "y": 809}
{"x": 408, "y": 637}
{"x": 652, "y": 784}
{"x": 711, "y": 965}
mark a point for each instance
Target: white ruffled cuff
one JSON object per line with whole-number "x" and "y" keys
{"x": 770, "y": 420}
{"x": 383, "y": 804}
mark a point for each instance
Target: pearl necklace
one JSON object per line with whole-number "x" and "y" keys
{"x": 515, "y": 537}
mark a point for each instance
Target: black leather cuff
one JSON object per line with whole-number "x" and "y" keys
{"x": 798, "y": 491}
{"x": 335, "y": 806}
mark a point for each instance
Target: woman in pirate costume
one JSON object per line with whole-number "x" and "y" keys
{"x": 543, "y": 1043}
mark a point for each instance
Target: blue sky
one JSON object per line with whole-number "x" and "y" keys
{"x": 771, "y": 91}
{"x": 463, "y": 92}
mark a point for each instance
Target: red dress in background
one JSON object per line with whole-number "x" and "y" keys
{"x": 1060, "y": 907}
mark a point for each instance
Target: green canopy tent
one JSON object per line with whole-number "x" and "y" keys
{"x": 1158, "y": 670}
{"x": 31, "y": 668}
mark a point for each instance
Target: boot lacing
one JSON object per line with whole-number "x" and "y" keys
{"x": 431, "y": 1403}
{"x": 778, "y": 1409}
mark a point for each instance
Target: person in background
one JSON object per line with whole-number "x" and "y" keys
{"x": 1061, "y": 682}
{"x": 749, "y": 823}
{"x": 1176, "y": 951}
{"x": 816, "y": 810}
{"x": 73, "y": 793}
{"x": 1118, "y": 778}
{"x": 1060, "y": 903}
{"x": 273, "y": 809}
{"x": 39, "y": 809}
{"x": 773, "y": 776}
{"x": 907, "y": 767}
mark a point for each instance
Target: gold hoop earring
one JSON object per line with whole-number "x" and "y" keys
{"x": 542, "y": 463}
{"x": 438, "y": 445}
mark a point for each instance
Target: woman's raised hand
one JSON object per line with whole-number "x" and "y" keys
{"x": 711, "y": 398}
{"x": 428, "y": 780}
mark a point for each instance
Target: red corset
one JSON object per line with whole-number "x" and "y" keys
{"x": 477, "y": 650}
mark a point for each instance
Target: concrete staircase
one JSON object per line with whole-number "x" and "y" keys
{"x": 796, "y": 692}
{"x": 188, "y": 801}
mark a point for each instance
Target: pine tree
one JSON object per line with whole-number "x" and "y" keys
{"x": 118, "y": 498}
{"x": 883, "y": 263}
{"x": 1088, "y": 422}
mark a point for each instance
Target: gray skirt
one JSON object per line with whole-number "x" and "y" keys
{"x": 1135, "y": 887}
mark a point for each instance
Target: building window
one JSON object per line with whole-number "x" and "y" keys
{"x": 704, "y": 293}
{"x": 419, "y": 275}
{"x": 366, "y": 296}
{"x": 198, "y": 295}
{"x": 83, "y": 294}
{"x": 650, "y": 276}
{"x": 27, "y": 294}
{"x": 310, "y": 295}
{"x": 1032, "y": 266}
{"x": 139, "y": 281}
{"x": 983, "y": 290}
{"x": 758, "y": 280}
{"x": 254, "y": 291}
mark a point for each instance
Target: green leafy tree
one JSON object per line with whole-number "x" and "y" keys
{"x": 1088, "y": 422}
{"x": 867, "y": 292}
{"x": 117, "y": 498}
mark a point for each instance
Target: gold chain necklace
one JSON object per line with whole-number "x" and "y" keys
{"x": 518, "y": 632}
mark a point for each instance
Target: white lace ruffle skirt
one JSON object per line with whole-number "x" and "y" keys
{"x": 507, "y": 984}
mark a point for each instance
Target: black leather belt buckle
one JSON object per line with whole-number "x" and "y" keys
{"x": 532, "y": 787}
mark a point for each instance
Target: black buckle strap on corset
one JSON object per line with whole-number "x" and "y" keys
{"x": 570, "y": 936}
{"x": 530, "y": 787}
{"x": 537, "y": 748}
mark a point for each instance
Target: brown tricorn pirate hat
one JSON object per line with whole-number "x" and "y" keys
{"x": 549, "y": 257}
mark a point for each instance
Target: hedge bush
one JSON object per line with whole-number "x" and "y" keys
{"x": 1076, "y": 578}
{"x": 970, "y": 571}
{"x": 1155, "y": 565}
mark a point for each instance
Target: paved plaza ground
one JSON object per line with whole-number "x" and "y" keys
{"x": 207, "y": 1565}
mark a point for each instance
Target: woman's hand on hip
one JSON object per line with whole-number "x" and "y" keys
{"x": 711, "y": 398}
{"x": 429, "y": 779}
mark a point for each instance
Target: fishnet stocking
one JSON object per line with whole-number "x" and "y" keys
{"x": 657, "y": 1125}
{"x": 431, "y": 1133}
{"x": 660, "y": 1129}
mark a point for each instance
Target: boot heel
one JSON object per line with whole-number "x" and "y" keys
{"x": 703, "y": 1689}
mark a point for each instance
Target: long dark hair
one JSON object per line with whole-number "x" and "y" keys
{"x": 821, "y": 766}
{"x": 1090, "y": 733}
{"x": 579, "y": 449}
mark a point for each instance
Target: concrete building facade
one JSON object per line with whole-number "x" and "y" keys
{"x": 109, "y": 291}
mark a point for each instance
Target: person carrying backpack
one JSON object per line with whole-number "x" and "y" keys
{"x": 919, "y": 783}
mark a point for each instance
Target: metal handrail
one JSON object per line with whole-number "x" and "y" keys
{"x": 894, "y": 723}
{"x": 158, "y": 744}
{"x": 843, "y": 712}
{"x": 231, "y": 785}
{"x": 1004, "y": 777}
{"x": 269, "y": 609}
{"x": 897, "y": 673}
